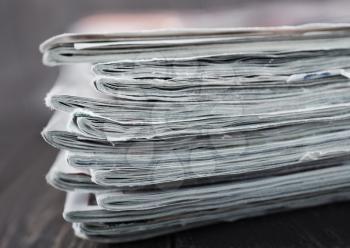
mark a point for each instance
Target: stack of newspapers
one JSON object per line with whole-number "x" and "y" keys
{"x": 166, "y": 130}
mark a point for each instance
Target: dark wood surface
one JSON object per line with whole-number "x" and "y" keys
{"x": 30, "y": 210}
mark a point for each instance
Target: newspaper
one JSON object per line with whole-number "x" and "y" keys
{"x": 143, "y": 215}
{"x": 189, "y": 152}
{"x": 166, "y": 130}
{"x": 192, "y": 42}
{"x": 67, "y": 178}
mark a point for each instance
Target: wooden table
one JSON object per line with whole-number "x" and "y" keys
{"x": 31, "y": 211}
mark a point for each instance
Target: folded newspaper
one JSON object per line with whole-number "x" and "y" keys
{"x": 167, "y": 130}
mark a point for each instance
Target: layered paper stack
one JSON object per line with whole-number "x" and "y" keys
{"x": 173, "y": 129}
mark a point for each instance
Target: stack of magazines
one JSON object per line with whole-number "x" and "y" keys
{"x": 166, "y": 130}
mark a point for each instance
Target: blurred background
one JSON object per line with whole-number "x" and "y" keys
{"x": 29, "y": 208}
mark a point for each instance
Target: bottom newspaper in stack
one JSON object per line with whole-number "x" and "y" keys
{"x": 118, "y": 216}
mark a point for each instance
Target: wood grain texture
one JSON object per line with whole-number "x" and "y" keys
{"x": 31, "y": 211}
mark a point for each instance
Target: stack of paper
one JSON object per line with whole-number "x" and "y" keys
{"x": 174, "y": 129}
